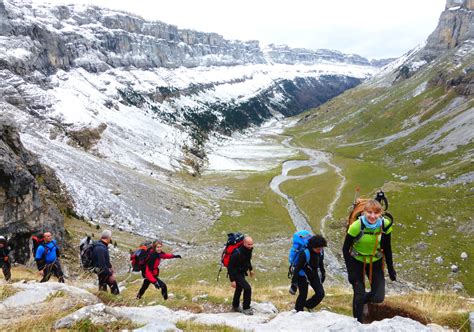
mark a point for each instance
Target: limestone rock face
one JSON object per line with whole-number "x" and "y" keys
{"x": 96, "y": 39}
{"x": 137, "y": 98}
{"x": 456, "y": 25}
{"x": 27, "y": 192}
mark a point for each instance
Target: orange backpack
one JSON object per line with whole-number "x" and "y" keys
{"x": 359, "y": 203}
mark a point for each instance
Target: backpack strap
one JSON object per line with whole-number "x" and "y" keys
{"x": 361, "y": 233}
{"x": 390, "y": 218}
{"x": 307, "y": 254}
{"x": 47, "y": 249}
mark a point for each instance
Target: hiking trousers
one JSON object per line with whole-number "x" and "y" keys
{"x": 53, "y": 269}
{"x": 146, "y": 283}
{"x": 312, "y": 302}
{"x": 242, "y": 284}
{"x": 377, "y": 289}
{"x": 104, "y": 281}
{"x": 6, "y": 270}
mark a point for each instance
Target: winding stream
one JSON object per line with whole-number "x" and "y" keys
{"x": 315, "y": 161}
{"x": 318, "y": 162}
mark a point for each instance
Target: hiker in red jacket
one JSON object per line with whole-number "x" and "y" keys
{"x": 152, "y": 270}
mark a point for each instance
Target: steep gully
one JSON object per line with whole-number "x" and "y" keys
{"x": 316, "y": 161}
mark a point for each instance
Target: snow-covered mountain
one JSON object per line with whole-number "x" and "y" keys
{"x": 110, "y": 101}
{"x": 80, "y": 68}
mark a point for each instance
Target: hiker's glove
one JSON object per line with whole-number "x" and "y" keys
{"x": 323, "y": 276}
{"x": 177, "y": 256}
{"x": 157, "y": 285}
{"x": 392, "y": 274}
{"x": 5, "y": 258}
{"x": 293, "y": 289}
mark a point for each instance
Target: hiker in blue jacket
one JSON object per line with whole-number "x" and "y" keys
{"x": 47, "y": 259}
{"x": 306, "y": 272}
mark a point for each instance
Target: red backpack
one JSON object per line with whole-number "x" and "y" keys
{"x": 37, "y": 240}
{"x": 140, "y": 256}
{"x": 234, "y": 241}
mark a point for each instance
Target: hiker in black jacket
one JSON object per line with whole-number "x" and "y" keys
{"x": 309, "y": 261}
{"x": 4, "y": 258}
{"x": 239, "y": 264}
{"x": 102, "y": 265}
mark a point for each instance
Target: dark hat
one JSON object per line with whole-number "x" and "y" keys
{"x": 317, "y": 241}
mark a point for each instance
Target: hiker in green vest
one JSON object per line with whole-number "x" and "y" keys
{"x": 367, "y": 242}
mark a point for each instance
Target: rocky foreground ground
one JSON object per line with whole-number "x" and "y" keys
{"x": 24, "y": 301}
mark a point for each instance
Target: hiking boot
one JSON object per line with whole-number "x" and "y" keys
{"x": 248, "y": 312}
{"x": 236, "y": 309}
{"x": 139, "y": 296}
{"x": 309, "y": 309}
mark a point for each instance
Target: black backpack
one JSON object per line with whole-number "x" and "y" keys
{"x": 87, "y": 261}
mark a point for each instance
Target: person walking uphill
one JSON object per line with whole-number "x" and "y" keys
{"x": 47, "y": 259}
{"x": 4, "y": 258}
{"x": 102, "y": 265}
{"x": 152, "y": 270}
{"x": 306, "y": 271}
{"x": 239, "y": 265}
{"x": 368, "y": 239}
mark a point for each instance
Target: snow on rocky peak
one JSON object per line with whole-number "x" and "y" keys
{"x": 110, "y": 100}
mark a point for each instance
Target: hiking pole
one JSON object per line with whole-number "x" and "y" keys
{"x": 219, "y": 273}
{"x": 356, "y": 195}
{"x": 46, "y": 272}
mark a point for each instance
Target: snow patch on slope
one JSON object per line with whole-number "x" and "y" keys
{"x": 252, "y": 150}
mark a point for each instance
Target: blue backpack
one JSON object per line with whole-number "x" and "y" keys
{"x": 300, "y": 241}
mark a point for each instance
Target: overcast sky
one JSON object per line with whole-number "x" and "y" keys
{"x": 371, "y": 28}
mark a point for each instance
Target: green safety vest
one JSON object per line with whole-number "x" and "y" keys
{"x": 364, "y": 246}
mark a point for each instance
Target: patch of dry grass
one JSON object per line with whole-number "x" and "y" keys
{"x": 6, "y": 291}
{"x": 21, "y": 272}
{"x": 120, "y": 325}
{"x": 192, "y": 326}
{"x": 443, "y": 308}
{"x": 43, "y": 320}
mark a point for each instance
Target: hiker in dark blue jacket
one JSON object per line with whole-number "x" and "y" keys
{"x": 4, "y": 258}
{"x": 102, "y": 265}
{"x": 309, "y": 261}
{"x": 47, "y": 259}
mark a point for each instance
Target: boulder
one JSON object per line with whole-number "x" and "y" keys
{"x": 98, "y": 314}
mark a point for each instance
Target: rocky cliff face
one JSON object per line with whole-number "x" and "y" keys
{"x": 456, "y": 25}
{"x": 229, "y": 85}
{"x": 137, "y": 101}
{"x": 97, "y": 39}
{"x": 28, "y": 194}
